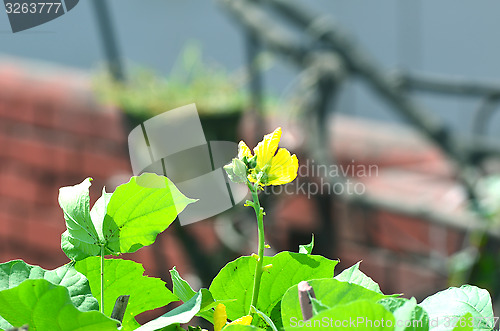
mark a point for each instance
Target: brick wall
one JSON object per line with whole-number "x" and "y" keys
{"x": 53, "y": 134}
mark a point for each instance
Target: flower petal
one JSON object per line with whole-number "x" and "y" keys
{"x": 245, "y": 320}
{"x": 266, "y": 149}
{"x": 220, "y": 317}
{"x": 243, "y": 150}
{"x": 284, "y": 168}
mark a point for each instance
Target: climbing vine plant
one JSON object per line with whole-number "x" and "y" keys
{"x": 287, "y": 291}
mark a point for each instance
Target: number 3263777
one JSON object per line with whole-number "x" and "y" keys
{"x": 32, "y": 8}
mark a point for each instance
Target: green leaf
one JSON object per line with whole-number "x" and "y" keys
{"x": 330, "y": 292}
{"x": 317, "y": 306}
{"x": 266, "y": 318}
{"x": 98, "y": 213}
{"x": 13, "y": 273}
{"x": 184, "y": 292}
{"x": 239, "y": 168}
{"x": 123, "y": 221}
{"x": 355, "y": 276}
{"x": 80, "y": 239}
{"x": 307, "y": 249}
{"x": 235, "y": 280}
{"x": 465, "y": 323}
{"x": 445, "y": 308}
{"x": 77, "y": 250}
{"x": 124, "y": 277}
{"x": 236, "y": 171}
{"x": 409, "y": 316}
{"x": 209, "y": 302}
{"x": 357, "y": 315}
{"x": 139, "y": 210}
{"x": 181, "y": 288}
{"x": 182, "y": 314}
{"x": 45, "y": 306}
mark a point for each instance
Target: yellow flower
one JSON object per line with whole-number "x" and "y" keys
{"x": 275, "y": 168}
{"x": 245, "y": 320}
{"x": 220, "y": 317}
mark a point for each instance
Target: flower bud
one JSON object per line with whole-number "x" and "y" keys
{"x": 252, "y": 163}
{"x": 239, "y": 168}
{"x": 229, "y": 168}
{"x": 267, "y": 267}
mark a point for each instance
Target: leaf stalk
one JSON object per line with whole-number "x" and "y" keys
{"x": 259, "y": 213}
{"x": 102, "y": 278}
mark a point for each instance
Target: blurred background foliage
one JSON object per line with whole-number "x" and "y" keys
{"x": 214, "y": 89}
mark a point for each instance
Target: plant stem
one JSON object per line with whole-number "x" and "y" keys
{"x": 259, "y": 213}
{"x": 102, "y": 279}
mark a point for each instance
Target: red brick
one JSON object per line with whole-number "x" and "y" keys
{"x": 34, "y": 240}
{"x": 205, "y": 234}
{"x": 36, "y": 237}
{"x": 77, "y": 122}
{"x": 297, "y": 212}
{"x": 104, "y": 165}
{"x": 17, "y": 187}
{"x": 7, "y": 220}
{"x": 14, "y": 207}
{"x": 175, "y": 255}
{"x": 404, "y": 234}
{"x": 6, "y": 256}
{"x": 103, "y": 124}
{"x": 44, "y": 113}
{"x": 105, "y": 147}
{"x": 38, "y": 153}
{"x": 418, "y": 280}
{"x": 145, "y": 256}
{"x": 45, "y": 126}
{"x": 394, "y": 273}
{"x": 16, "y": 108}
{"x": 373, "y": 263}
{"x": 44, "y": 234}
{"x": 398, "y": 233}
{"x": 354, "y": 224}
{"x": 58, "y": 138}
{"x": 108, "y": 124}
{"x": 52, "y": 105}
{"x": 27, "y": 184}
{"x": 35, "y": 256}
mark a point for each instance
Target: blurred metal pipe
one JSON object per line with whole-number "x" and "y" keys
{"x": 270, "y": 33}
{"x": 255, "y": 87}
{"x": 253, "y": 49}
{"x": 447, "y": 84}
{"x": 483, "y": 113}
{"x": 322, "y": 28}
{"x": 108, "y": 40}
